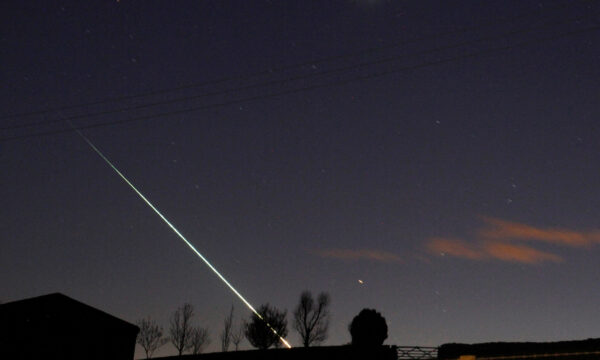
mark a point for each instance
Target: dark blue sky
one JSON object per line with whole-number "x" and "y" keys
{"x": 461, "y": 187}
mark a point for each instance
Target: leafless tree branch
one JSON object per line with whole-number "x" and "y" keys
{"x": 150, "y": 337}
{"x": 181, "y": 327}
{"x": 198, "y": 340}
{"x": 226, "y": 333}
{"x": 310, "y": 320}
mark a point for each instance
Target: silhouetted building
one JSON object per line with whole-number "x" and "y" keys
{"x": 572, "y": 350}
{"x": 55, "y": 326}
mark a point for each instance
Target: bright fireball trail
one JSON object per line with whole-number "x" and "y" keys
{"x": 284, "y": 341}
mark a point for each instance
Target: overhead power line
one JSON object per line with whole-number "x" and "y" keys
{"x": 312, "y": 87}
{"x": 484, "y": 24}
{"x": 287, "y": 80}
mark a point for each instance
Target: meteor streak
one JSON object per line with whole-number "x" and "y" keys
{"x": 88, "y": 141}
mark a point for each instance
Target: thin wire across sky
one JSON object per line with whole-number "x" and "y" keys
{"x": 271, "y": 93}
{"x": 279, "y": 82}
{"x": 368, "y": 51}
{"x": 191, "y": 109}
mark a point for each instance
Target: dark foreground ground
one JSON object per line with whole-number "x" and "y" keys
{"x": 313, "y": 353}
{"x": 563, "y": 350}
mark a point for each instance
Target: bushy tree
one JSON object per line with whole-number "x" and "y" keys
{"x": 150, "y": 337}
{"x": 368, "y": 329}
{"x": 312, "y": 320}
{"x": 260, "y": 332}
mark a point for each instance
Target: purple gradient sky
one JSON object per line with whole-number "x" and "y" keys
{"x": 464, "y": 195}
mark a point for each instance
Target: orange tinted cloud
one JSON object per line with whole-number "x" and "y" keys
{"x": 502, "y": 229}
{"x": 490, "y": 251}
{"x": 455, "y": 247}
{"x": 362, "y": 254}
{"x": 498, "y": 239}
{"x": 519, "y": 253}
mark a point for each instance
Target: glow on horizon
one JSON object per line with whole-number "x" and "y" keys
{"x": 88, "y": 141}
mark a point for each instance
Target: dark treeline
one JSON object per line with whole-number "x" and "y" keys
{"x": 310, "y": 320}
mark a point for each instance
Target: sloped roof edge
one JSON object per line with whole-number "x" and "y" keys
{"x": 59, "y": 299}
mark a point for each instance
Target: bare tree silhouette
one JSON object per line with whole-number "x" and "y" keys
{"x": 180, "y": 329}
{"x": 226, "y": 333}
{"x": 237, "y": 336}
{"x": 198, "y": 340}
{"x": 259, "y": 332}
{"x": 368, "y": 329}
{"x": 150, "y": 337}
{"x": 312, "y": 320}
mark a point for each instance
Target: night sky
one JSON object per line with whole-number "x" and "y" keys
{"x": 446, "y": 154}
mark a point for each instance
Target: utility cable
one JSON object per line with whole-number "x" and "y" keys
{"x": 292, "y": 79}
{"x": 485, "y": 24}
{"x": 312, "y": 87}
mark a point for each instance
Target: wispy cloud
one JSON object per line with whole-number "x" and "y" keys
{"x": 360, "y": 254}
{"x": 455, "y": 247}
{"x": 519, "y": 253}
{"x": 489, "y": 250}
{"x": 502, "y": 229}
{"x": 502, "y": 240}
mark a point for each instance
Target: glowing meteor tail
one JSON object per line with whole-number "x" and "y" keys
{"x": 180, "y": 235}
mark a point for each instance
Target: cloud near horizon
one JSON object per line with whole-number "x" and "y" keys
{"x": 502, "y": 229}
{"x": 360, "y": 254}
{"x": 490, "y": 250}
{"x": 456, "y": 247}
{"x": 496, "y": 241}
{"x": 519, "y": 253}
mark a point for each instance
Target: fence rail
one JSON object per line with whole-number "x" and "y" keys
{"x": 416, "y": 352}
